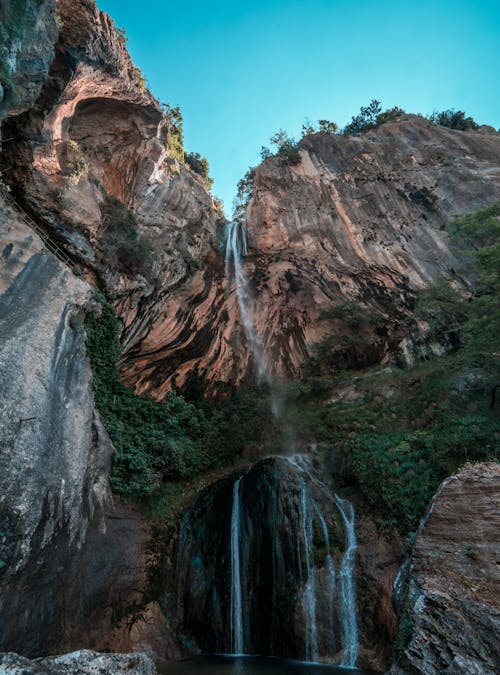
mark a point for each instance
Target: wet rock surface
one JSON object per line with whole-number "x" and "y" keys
{"x": 454, "y": 581}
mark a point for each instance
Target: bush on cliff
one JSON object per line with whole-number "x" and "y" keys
{"x": 124, "y": 248}
{"x": 371, "y": 116}
{"x": 454, "y": 119}
{"x": 199, "y": 165}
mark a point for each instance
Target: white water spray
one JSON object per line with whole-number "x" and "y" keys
{"x": 236, "y": 595}
{"x": 236, "y": 248}
{"x": 330, "y": 574}
{"x": 309, "y": 597}
{"x": 348, "y": 615}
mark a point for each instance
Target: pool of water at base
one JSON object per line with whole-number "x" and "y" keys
{"x": 252, "y": 665}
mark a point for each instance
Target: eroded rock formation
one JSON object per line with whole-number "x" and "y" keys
{"x": 358, "y": 220}
{"x": 454, "y": 581}
{"x": 70, "y": 557}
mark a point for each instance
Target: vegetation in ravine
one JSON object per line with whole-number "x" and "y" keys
{"x": 123, "y": 246}
{"x": 404, "y": 430}
{"x": 163, "y": 446}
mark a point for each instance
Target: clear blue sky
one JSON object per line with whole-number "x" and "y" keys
{"x": 242, "y": 70}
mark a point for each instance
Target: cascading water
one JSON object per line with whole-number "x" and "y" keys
{"x": 309, "y": 596}
{"x": 236, "y": 248}
{"x": 348, "y": 612}
{"x": 330, "y": 574}
{"x": 236, "y": 595}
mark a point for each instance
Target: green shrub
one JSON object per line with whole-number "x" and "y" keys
{"x": 131, "y": 252}
{"x": 199, "y": 165}
{"x": 454, "y": 119}
{"x": 287, "y": 148}
{"x": 369, "y": 117}
{"x": 161, "y": 443}
{"x": 174, "y": 142}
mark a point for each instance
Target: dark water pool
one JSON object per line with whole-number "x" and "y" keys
{"x": 251, "y": 665}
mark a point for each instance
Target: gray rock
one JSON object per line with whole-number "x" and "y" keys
{"x": 83, "y": 662}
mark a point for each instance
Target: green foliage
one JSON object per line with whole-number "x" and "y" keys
{"x": 199, "y": 165}
{"x": 174, "y": 143}
{"x": 323, "y": 125}
{"x": 244, "y": 194}
{"x": 140, "y": 79}
{"x": 404, "y": 634}
{"x": 159, "y": 445}
{"x": 371, "y": 116}
{"x": 454, "y": 119}
{"x": 123, "y": 246}
{"x": 77, "y": 166}
{"x": 442, "y": 307}
{"x": 286, "y": 147}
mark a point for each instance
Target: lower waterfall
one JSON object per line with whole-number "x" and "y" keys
{"x": 348, "y": 611}
{"x": 236, "y": 603}
{"x": 266, "y": 566}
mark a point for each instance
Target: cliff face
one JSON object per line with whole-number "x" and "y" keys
{"x": 95, "y": 133}
{"x": 28, "y": 31}
{"x": 358, "y": 220}
{"x": 454, "y": 581}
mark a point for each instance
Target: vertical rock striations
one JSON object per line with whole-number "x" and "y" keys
{"x": 454, "y": 580}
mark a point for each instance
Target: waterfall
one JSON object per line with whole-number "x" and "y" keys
{"x": 348, "y": 608}
{"x": 348, "y": 615}
{"x": 236, "y": 248}
{"x": 330, "y": 574}
{"x": 309, "y": 596}
{"x": 236, "y": 595}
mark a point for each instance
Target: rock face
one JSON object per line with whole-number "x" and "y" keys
{"x": 84, "y": 662}
{"x": 96, "y": 133}
{"x": 28, "y": 31}
{"x": 65, "y": 561}
{"x": 358, "y": 220}
{"x": 454, "y": 581}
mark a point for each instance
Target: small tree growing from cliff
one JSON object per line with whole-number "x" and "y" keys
{"x": 371, "y": 116}
{"x": 199, "y": 165}
{"x": 286, "y": 147}
{"x": 454, "y": 119}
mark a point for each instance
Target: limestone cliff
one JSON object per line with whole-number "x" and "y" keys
{"x": 358, "y": 220}
{"x": 454, "y": 583}
{"x": 94, "y": 135}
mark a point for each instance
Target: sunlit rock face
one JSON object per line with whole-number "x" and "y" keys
{"x": 453, "y": 582}
{"x": 358, "y": 220}
{"x": 95, "y": 131}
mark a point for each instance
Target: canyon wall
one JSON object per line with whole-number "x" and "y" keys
{"x": 357, "y": 220}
